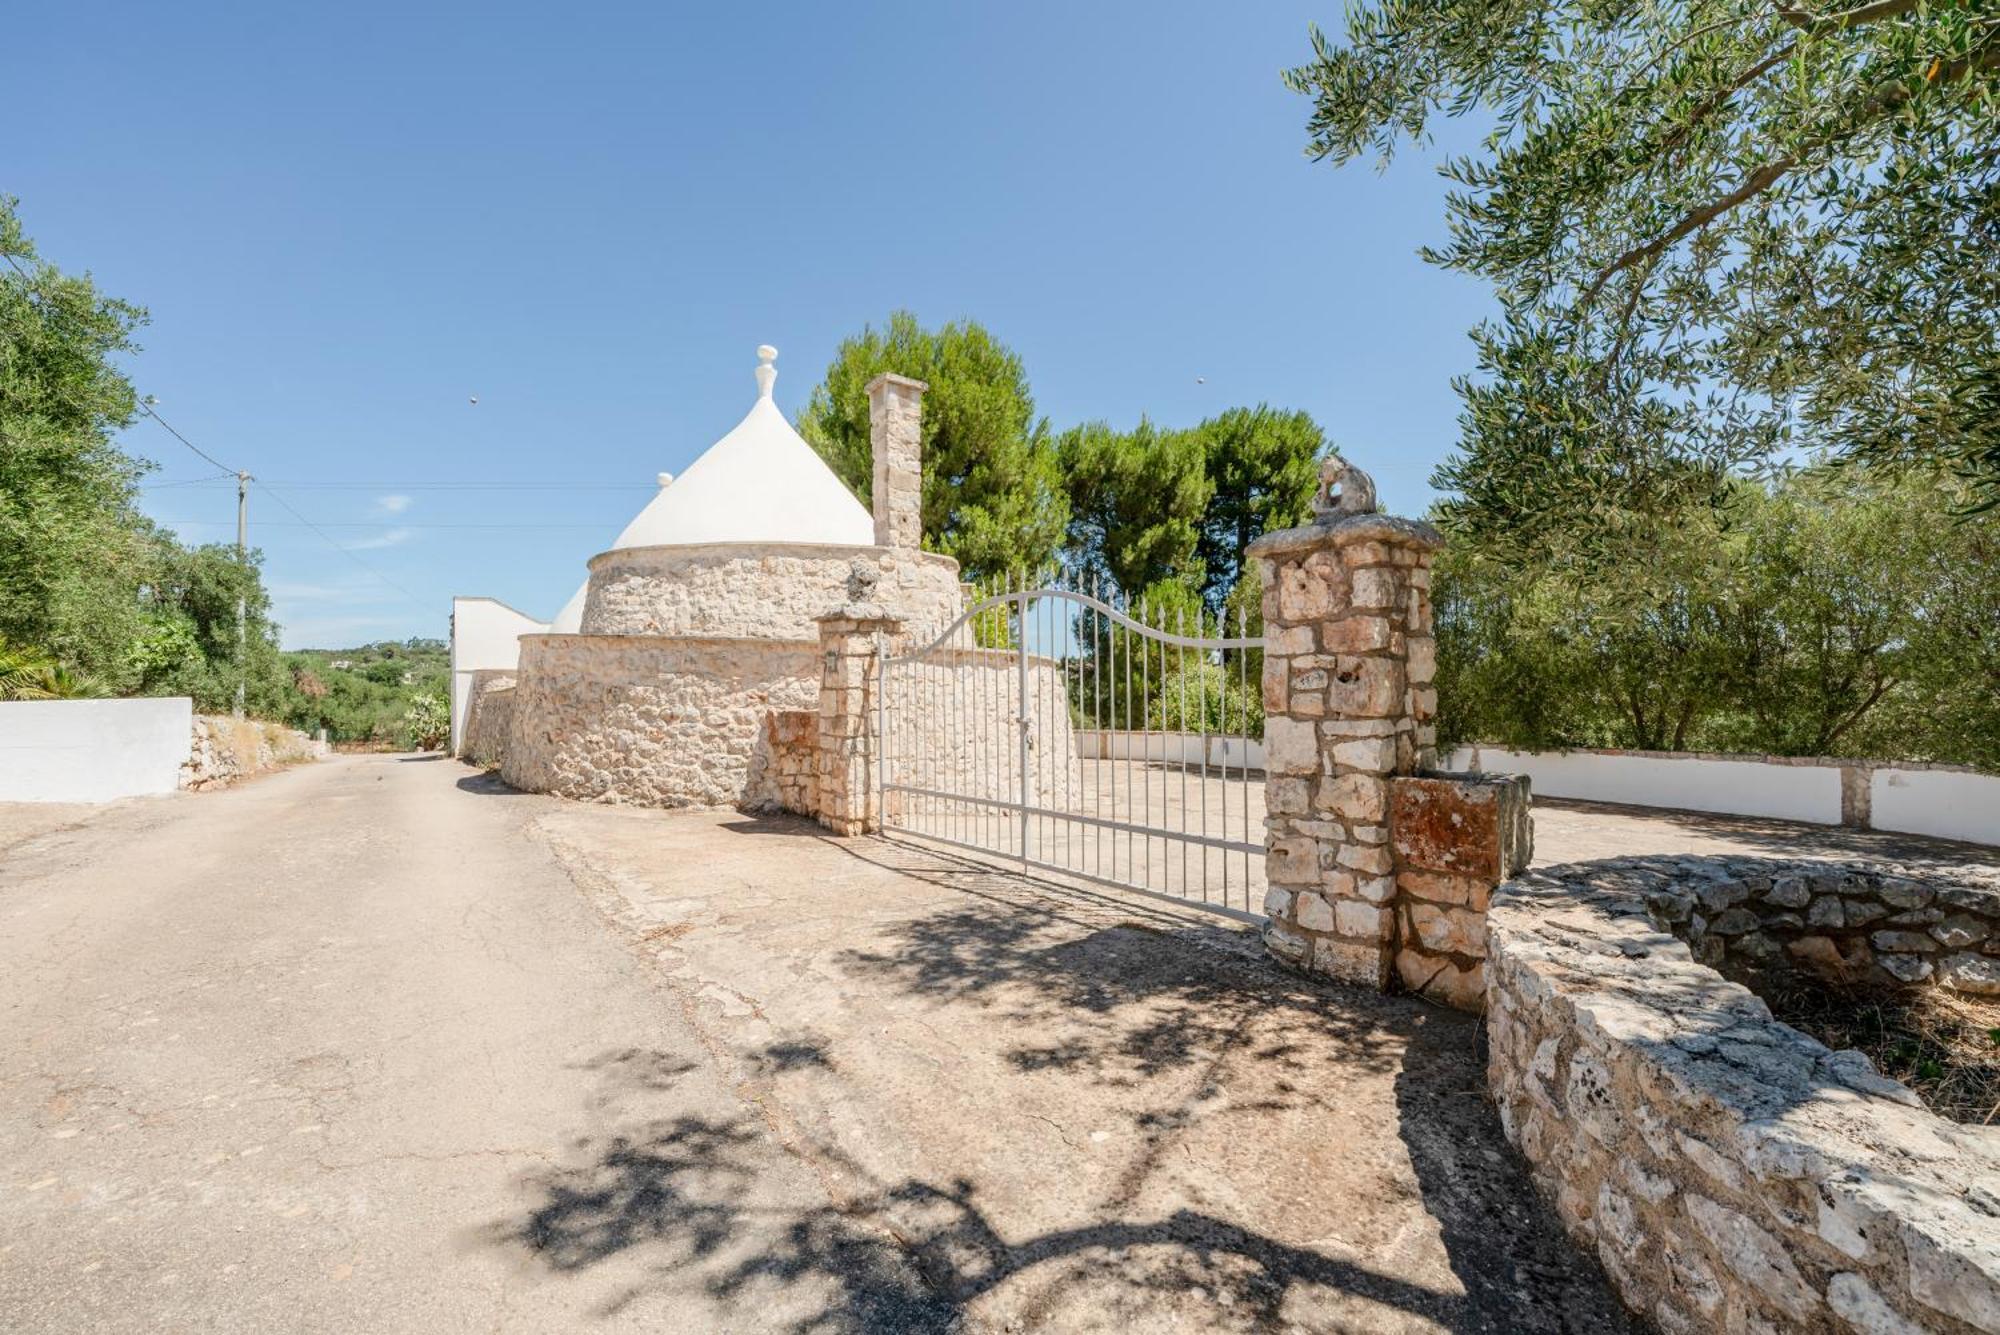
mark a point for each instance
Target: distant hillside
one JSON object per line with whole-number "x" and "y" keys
{"x": 361, "y": 694}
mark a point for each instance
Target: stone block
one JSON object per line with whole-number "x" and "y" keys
{"x": 1286, "y": 944}
{"x": 1375, "y": 889}
{"x": 1364, "y": 965}
{"x": 1289, "y": 641}
{"x": 1354, "y": 797}
{"x": 1374, "y": 755}
{"x": 1288, "y": 796}
{"x": 1355, "y": 917}
{"x": 1312, "y": 913}
{"x": 1475, "y": 825}
{"x": 1310, "y": 594}
{"x": 1753, "y": 1256}
{"x": 1376, "y": 588}
{"x": 1367, "y": 687}
{"x": 1444, "y": 930}
{"x": 1470, "y": 892}
{"x": 1373, "y": 861}
{"x": 1440, "y": 979}
{"x": 1967, "y": 972}
{"x": 1356, "y": 635}
{"x": 1291, "y": 746}
{"x": 1422, "y": 660}
{"x": 1292, "y": 860}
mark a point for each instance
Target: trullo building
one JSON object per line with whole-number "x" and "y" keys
{"x": 660, "y": 682}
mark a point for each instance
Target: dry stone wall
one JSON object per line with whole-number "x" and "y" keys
{"x": 786, "y": 768}
{"x": 489, "y": 716}
{"x": 1731, "y": 1173}
{"x": 224, "y": 748}
{"x": 763, "y": 590}
{"x": 1845, "y": 922}
{"x": 651, "y": 721}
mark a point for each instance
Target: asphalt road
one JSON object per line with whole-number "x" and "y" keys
{"x": 378, "y": 1045}
{"x": 292, "y": 1057}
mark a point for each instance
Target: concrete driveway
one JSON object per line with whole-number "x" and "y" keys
{"x": 379, "y": 1045}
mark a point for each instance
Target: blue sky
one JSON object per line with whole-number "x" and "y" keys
{"x": 347, "y": 221}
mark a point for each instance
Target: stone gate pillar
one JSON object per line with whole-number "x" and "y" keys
{"x": 1348, "y": 704}
{"x": 849, "y": 740}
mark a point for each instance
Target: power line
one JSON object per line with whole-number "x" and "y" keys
{"x": 283, "y": 504}
{"x": 328, "y": 537}
{"x": 153, "y": 413}
{"x": 189, "y": 482}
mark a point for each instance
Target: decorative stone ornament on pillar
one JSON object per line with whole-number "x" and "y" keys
{"x": 1348, "y": 704}
{"x": 850, "y": 639}
{"x": 895, "y": 438}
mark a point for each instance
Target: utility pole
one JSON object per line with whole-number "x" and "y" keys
{"x": 243, "y": 481}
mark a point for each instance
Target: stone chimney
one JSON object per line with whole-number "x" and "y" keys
{"x": 895, "y": 435}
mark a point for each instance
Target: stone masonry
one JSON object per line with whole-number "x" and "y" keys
{"x": 1454, "y": 839}
{"x": 895, "y": 436}
{"x": 1731, "y": 1173}
{"x": 1348, "y": 703}
{"x": 849, "y": 640}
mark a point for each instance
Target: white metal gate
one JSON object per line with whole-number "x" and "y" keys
{"x": 1078, "y": 734}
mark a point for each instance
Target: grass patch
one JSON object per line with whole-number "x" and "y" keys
{"x": 1945, "y": 1046}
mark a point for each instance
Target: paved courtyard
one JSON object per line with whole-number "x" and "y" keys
{"x": 381, "y": 1045}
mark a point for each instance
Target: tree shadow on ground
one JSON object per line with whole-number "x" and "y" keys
{"x": 1184, "y": 1022}
{"x": 908, "y": 1256}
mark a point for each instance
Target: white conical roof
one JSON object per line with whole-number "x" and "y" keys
{"x": 759, "y": 483}
{"x": 570, "y": 620}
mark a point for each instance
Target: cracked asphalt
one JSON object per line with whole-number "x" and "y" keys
{"x": 380, "y": 1045}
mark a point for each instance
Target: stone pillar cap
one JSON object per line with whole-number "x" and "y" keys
{"x": 860, "y": 612}
{"x": 891, "y": 378}
{"x": 1340, "y": 530}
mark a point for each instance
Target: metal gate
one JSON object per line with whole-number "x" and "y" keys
{"x": 1078, "y": 734}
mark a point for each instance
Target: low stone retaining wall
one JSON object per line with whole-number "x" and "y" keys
{"x": 1847, "y": 923}
{"x": 1730, "y": 1172}
{"x": 489, "y": 716}
{"x": 225, "y": 748}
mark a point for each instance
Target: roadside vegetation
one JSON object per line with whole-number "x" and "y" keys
{"x": 1730, "y": 455}
{"x": 95, "y": 600}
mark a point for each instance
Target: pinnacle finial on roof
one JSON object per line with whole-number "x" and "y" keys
{"x": 665, "y": 478}
{"x": 767, "y": 374}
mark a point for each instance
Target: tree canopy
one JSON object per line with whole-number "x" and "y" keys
{"x": 73, "y": 546}
{"x": 1721, "y": 231}
{"x": 1823, "y": 613}
{"x": 1263, "y": 466}
{"x": 993, "y": 498}
{"x": 1136, "y": 503}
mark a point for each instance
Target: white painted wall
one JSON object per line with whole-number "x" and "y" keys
{"x": 1174, "y": 748}
{"x": 1746, "y": 787}
{"x": 1950, "y": 804}
{"x": 485, "y": 634}
{"x": 92, "y": 750}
